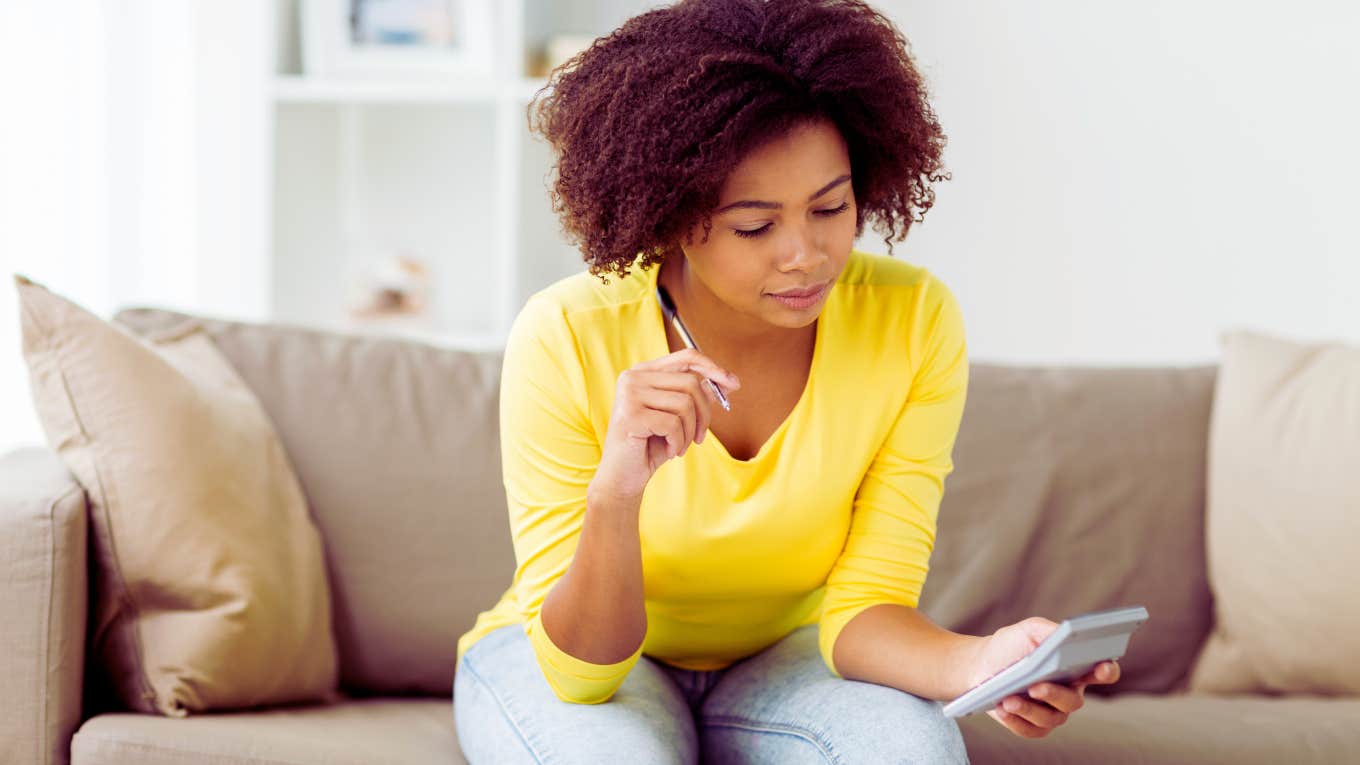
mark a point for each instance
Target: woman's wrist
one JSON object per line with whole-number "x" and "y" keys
{"x": 604, "y": 492}
{"x": 971, "y": 666}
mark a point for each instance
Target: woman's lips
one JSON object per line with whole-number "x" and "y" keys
{"x": 801, "y": 302}
{"x": 804, "y": 293}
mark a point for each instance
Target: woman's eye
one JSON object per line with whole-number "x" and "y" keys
{"x": 752, "y": 232}
{"x": 758, "y": 231}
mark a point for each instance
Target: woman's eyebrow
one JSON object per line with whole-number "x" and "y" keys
{"x": 776, "y": 205}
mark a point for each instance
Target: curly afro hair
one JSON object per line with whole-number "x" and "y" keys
{"x": 648, "y": 122}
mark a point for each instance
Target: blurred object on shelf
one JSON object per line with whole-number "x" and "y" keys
{"x": 557, "y": 50}
{"x": 350, "y": 38}
{"x": 392, "y": 290}
{"x": 403, "y": 22}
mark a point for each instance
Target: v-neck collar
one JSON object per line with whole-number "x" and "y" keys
{"x": 660, "y": 347}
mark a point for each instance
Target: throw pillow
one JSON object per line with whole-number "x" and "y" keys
{"x": 210, "y": 584}
{"x": 1283, "y": 519}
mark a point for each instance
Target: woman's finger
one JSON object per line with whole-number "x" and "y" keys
{"x": 690, "y": 360}
{"x": 1103, "y": 673}
{"x": 1061, "y": 697}
{"x": 704, "y": 399}
{"x": 1016, "y": 723}
{"x": 663, "y": 425}
{"x": 1041, "y": 715}
{"x": 676, "y": 404}
{"x": 658, "y": 451}
{"x": 691, "y": 388}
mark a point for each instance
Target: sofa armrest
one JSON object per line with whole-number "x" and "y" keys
{"x": 43, "y": 599}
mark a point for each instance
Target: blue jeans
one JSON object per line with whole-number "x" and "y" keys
{"x": 781, "y": 705}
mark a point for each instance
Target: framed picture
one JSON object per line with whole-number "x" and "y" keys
{"x": 350, "y": 38}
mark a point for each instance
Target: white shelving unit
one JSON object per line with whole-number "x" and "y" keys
{"x": 443, "y": 170}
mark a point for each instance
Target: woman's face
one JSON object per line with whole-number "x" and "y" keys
{"x": 785, "y": 220}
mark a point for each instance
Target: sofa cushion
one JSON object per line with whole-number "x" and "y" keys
{"x": 396, "y": 445}
{"x": 210, "y": 583}
{"x": 1078, "y": 489}
{"x": 1284, "y": 519}
{"x": 1139, "y": 728}
{"x": 359, "y": 731}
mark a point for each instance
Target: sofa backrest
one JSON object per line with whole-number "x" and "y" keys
{"x": 1074, "y": 489}
{"x": 1078, "y": 489}
{"x": 397, "y": 448}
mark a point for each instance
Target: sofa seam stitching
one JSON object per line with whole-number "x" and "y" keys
{"x": 45, "y": 708}
{"x": 148, "y": 692}
{"x": 150, "y": 747}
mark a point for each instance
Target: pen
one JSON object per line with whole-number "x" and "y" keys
{"x": 668, "y": 310}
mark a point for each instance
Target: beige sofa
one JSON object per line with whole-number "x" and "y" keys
{"x": 1075, "y": 489}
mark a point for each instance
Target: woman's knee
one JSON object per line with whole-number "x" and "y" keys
{"x": 912, "y": 728}
{"x": 506, "y": 712}
{"x": 873, "y": 723}
{"x": 486, "y": 731}
{"x": 785, "y": 703}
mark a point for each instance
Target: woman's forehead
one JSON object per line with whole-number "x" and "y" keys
{"x": 788, "y": 170}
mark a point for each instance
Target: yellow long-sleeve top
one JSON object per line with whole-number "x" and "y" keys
{"x": 834, "y": 514}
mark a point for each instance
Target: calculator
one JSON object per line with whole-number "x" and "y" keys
{"x": 1078, "y": 644}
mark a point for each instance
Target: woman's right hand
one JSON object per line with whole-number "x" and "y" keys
{"x": 660, "y": 407}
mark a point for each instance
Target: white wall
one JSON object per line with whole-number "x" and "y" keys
{"x": 53, "y": 176}
{"x": 1131, "y": 178}
{"x": 130, "y": 163}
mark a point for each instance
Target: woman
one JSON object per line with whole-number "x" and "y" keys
{"x": 736, "y": 584}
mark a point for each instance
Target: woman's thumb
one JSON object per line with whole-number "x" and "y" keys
{"x": 1038, "y": 628}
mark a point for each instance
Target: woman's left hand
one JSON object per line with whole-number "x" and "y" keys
{"x": 1045, "y": 705}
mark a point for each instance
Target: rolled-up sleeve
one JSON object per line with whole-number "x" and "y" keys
{"x": 892, "y": 528}
{"x": 549, "y": 454}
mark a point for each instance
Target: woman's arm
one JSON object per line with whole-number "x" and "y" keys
{"x": 577, "y": 556}
{"x": 898, "y": 646}
{"x": 595, "y": 611}
{"x": 877, "y": 581}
